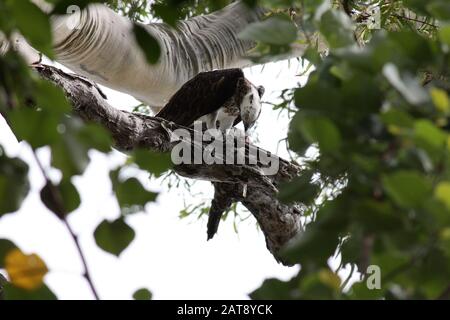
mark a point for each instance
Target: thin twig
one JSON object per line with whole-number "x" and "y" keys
{"x": 62, "y": 215}
{"x": 399, "y": 16}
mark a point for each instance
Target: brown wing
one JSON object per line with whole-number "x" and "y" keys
{"x": 203, "y": 94}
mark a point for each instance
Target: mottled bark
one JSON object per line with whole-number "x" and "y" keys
{"x": 243, "y": 183}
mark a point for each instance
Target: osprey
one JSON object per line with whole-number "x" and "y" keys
{"x": 220, "y": 98}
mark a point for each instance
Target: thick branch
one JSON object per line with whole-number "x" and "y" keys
{"x": 245, "y": 183}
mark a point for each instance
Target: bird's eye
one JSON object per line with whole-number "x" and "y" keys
{"x": 261, "y": 91}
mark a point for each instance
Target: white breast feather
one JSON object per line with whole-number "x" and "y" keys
{"x": 251, "y": 107}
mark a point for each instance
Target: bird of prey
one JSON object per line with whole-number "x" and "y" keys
{"x": 220, "y": 98}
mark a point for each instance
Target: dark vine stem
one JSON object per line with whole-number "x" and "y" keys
{"x": 423, "y": 22}
{"x": 62, "y": 213}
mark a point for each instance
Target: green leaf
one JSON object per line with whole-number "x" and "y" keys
{"x": 33, "y": 24}
{"x": 337, "y": 28}
{"x": 95, "y": 136}
{"x": 69, "y": 157}
{"x": 5, "y": 247}
{"x": 426, "y": 135}
{"x": 274, "y": 289}
{"x": 394, "y": 119}
{"x": 442, "y": 193}
{"x": 300, "y": 189}
{"x": 13, "y": 293}
{"x": 65, "y": 6}
{"x": 444, "y": 34}
{"x": 156, "y": 163}
{"x": 148, "y": 43}
{"x": 38, "y": 128}
{"x": 142, "y": 294}
{"x": 114, "y": 237}
{"x": 360, "y": 291}
{"x": 312, "y": 97}
{"x": 315, "y": 245}
{"x": 251, "y": 3}
{"x": 319, "y": 241}
{"x": 166, "y": 12}
{"x": 417, "y": 5}
{"x": 277, "y": 30}
{"x": 439, "y": 9}
{"x": 407, "y": 188}
{"x": 374, "y": 217}
{"x": 130, "y": 193}
{"x": 69, "y": 153}
{"x": 318, "y": 129}
{"x": 49, "y": 197}
{"x": 51, "y": 98}
{"x": 63, "y": 197}
{"x": 440, "y": 99}
{"x": 321, "y": 284}
{"x": 14, "y": 185}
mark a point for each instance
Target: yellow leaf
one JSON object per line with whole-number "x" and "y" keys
{"x": 440, "y": 99}
{"x": 445, "y": 234}
{"x": 442, "y": 193}
{"x": 25, "y": 271}
{"x": 330, "y": 279}
{"x": 395, "y": 130}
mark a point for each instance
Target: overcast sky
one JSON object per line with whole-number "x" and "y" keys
{"x": 169, "y": 256}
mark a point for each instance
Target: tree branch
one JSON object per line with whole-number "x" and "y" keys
{"x": 62, "y": 214}
{"x": 245, "y": 183}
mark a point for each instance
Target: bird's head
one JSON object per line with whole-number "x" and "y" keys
{"x": 251, "y": 106}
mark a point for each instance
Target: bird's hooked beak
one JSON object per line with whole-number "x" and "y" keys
{"x": 246, "y": 128}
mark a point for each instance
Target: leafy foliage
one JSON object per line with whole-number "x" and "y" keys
{"x": 36, "y": 30}
{"x": 148, "y": 43}
{"x": 376, "y": 106}
{"x": 12, "y": 195}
